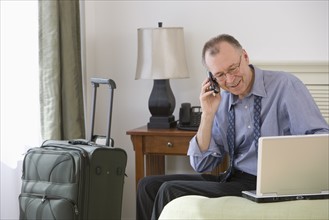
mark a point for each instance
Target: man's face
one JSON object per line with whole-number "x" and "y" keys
{"x": 231, "y": 69}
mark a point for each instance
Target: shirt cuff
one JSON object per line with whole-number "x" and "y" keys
{"x": 194, "y": 149}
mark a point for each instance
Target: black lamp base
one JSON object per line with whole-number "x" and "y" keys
{"x": 161, "y": 105}
{"x": 162, "y": 122}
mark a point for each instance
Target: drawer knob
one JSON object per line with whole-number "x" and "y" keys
{"x": 169, "y": 144}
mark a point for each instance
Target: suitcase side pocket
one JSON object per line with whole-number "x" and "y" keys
{"x": 51, "y": 178}
{"x": 80, "y": 158}
{"x": 37, "y": 206}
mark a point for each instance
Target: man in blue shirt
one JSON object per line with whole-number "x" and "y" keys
{"x": 286, "y": 108}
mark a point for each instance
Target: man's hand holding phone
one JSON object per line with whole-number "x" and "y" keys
{"x": 210, "y": 95}
{"x": 210, "y": 99}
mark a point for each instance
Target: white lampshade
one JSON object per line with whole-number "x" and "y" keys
{"x": 161, "y": 53}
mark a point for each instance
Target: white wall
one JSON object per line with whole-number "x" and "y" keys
{"x": 270, "y": 31}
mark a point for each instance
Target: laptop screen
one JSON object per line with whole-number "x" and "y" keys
{"x": 293, "y": 165}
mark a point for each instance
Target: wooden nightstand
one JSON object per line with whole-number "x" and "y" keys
{"x": 155, "y": 144}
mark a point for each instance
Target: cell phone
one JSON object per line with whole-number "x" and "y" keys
{"x": 213, "y": 83}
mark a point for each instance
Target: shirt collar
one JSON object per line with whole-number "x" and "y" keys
{"x": 257, "y": 89}
{"x": 259, "y": 84}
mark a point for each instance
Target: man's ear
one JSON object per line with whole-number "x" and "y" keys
{"x": 245, "y": 55}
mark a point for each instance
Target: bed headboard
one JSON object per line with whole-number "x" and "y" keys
{"x": 315, "y": 76}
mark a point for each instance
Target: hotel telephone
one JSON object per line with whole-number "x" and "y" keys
{"x": 189, "y": 117}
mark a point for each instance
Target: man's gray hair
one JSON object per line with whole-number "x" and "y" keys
{"x": 212, "y": 45}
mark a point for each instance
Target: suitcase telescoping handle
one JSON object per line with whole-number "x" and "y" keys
{"x": 95, "y": 83}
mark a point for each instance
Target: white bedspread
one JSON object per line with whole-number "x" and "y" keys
{"x": 198, "y": 207}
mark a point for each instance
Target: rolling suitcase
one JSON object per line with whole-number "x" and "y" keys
{"x": 76, "y": 179}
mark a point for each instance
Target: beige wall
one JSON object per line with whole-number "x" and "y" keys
{"x": 270, "y": 31}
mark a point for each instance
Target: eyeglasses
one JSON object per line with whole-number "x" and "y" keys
{"x": 233, "y": 71}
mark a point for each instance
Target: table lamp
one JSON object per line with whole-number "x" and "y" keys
{"x": 161, "y": 56}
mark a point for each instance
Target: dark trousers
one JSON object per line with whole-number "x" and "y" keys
{"x": 154, "y": 192}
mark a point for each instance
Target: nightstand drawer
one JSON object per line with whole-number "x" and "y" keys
{"x": 166, "y": 145}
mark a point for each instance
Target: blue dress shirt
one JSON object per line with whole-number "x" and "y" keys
{"x": 287, "y": 109}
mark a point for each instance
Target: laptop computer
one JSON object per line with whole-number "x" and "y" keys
{"x": 291, "y": 168}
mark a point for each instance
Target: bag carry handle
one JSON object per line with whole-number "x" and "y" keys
{"x": 98, "y": 81}
{"x": 95, "y": 83}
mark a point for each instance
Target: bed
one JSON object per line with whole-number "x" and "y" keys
{"x": 231, "y": 207}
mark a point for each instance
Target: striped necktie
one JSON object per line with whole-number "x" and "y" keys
{"x": 231, "y": 133}
{"x": 257, "y": 120}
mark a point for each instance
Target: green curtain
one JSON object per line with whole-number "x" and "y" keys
{"x": 61, "y": 95}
